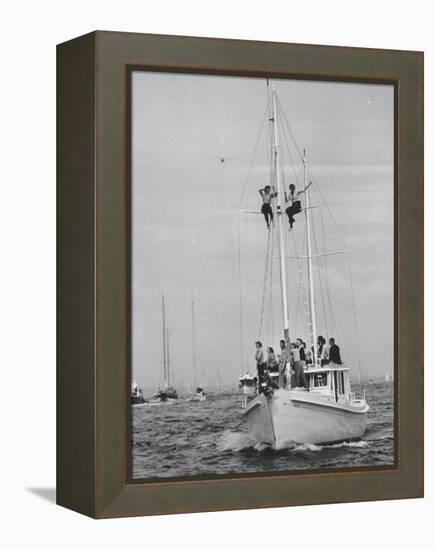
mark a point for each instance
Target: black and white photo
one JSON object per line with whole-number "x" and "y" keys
{"x": 262, "y": 275}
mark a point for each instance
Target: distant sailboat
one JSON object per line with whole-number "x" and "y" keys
{"x": 219, "y": 384}
{"x": 324, "y": 409}
{"x": 199, "y": 394}
{"x": 166, "y": 394}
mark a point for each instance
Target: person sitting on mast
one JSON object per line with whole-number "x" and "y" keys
{"x": 294, "y": 200}
{"x": 266, "y": 209}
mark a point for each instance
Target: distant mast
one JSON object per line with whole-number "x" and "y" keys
{"x": 277, "y": 172}
{"x": 312, "y": 324}
{"x": 168, "y": 357}
{"x": 164, "y": 340}
{"x": 193, "y": 337}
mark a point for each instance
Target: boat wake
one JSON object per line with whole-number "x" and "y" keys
{"x": 311, "y": 447}
{"x": 235, "y": 441}
{"x": 241, "y": 441}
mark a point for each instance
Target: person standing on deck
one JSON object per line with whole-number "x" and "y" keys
{"x": 334, "y": 353}
{"x": 301, "y": 349}
{"x": 283, "y": 362}
{"x": 272, "y": 364}
{"x": 295, "y": 354}
{"x": 325, "y": 354}
{"x": 260, "y": 364}
{"x": 319, "y": 348}
{"x": 266, "y": 209}
{"x": 298, "y": 366}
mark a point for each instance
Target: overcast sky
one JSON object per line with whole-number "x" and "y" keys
{"x": 185, "y": 211}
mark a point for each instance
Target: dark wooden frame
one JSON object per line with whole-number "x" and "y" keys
{"x": 94, "y": 258}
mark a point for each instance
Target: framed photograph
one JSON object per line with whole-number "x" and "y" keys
{"x": 240, "y": 274}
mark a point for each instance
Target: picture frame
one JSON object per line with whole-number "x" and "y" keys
{"x": 94, "y": 259}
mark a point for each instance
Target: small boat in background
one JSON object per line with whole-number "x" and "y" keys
{"x": 136, "y": 395}
{"x": 199, "y": 395}
{"x": 166, "y": 394}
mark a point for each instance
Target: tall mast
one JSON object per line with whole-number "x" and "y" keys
{"x": 309, "y": 261}
{"x": 164, "y": 340}
{"x": 277, "y": 168}
{"x": 168, "y": 359}
{"x": 193, "y": 337}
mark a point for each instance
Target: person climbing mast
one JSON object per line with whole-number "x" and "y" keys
{"x": 294, "y": 201}
{"x": 266, "y": 209}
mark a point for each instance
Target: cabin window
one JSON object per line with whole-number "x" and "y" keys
{"x": 320, "y": 380}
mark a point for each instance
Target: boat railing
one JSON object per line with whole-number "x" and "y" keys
{"x": 357, "y": 398}
{"x": 244, "y": 402}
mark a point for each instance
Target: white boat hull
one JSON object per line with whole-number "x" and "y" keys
{"x": 158, "y": 402}
{"x": 197, "y": 398}
{"x": 295, "y": 416}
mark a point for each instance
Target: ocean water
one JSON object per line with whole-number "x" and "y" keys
{"x": 207, "y": 438}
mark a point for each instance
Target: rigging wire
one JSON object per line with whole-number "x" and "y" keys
{"x": 287, "y": 143}
{"x": 240, "y": 290}
{"x": 270, "y": 303}
{"x": 264, "y": 286}
{"x": 267, "y": 298}
{"x": 320, "y": 278}
{"x": 253, "y": 158}
{"x": 246, "y": 181}
{"x": 283, "y": 115}
{"x": 353, "y": 303}
{"x": 327, "y": 282}
{"x": 298, "y": 290}
{"x": 356, "y": 331}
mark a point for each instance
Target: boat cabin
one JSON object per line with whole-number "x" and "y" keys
{"x": 247, "y": 384}
{"x": 247, "y": 380}
{"x": 330, "y": 381}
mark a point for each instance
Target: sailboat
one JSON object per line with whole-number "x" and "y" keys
{"x": 324, "y": 410}
{"x": 166, "y": 394}
{"x": 199, "y": 394}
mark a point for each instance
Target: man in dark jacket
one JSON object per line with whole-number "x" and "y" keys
{"x": 334, "y": 353}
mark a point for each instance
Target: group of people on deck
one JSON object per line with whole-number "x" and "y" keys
{"x": 292, "y": 203}
{"x": 291, "y": 362}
